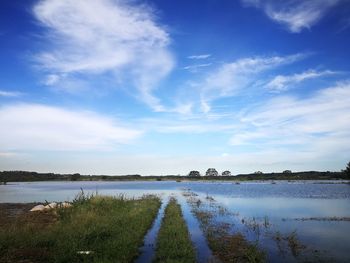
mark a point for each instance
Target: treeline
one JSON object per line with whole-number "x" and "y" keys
{"x": 24, "y": 176}
{"x": 307, "y": 175}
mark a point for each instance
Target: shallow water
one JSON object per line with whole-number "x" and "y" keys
{"x": 286, "y": 206}
{"x": 147, "y": 251}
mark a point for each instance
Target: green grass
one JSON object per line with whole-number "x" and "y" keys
{"x": 225, "y": 245}
{"x": 173, "y": 243}
{"x": 111, "y": 228}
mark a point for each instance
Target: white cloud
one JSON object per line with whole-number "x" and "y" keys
{"x": 196, "y": 67}
{"x": 7, "y": 154}
{"x": 203, "y": 56}
{"x": 294, "y": 14}
{"x": 194, "y": 125}
{"x": 40, "y": 127}
{"x": 284, "y": 82}
{"x": 97, "y": 37}
{"x": 319, "y": 125}
{"x": 52, "y": 79}
{"x": 230, "y": 78}
{"x": 4, "y": 93}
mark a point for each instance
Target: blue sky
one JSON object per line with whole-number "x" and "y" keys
{"x": 165, "y": 87}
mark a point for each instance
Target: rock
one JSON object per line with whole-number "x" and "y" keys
{"x": 51, "y": 205}
{"x": 85, "y": 252}
{"x": 37, "y": 208}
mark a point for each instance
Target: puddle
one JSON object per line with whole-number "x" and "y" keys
{"x": 148, "y": 249}
{"x": 203, "y": 252}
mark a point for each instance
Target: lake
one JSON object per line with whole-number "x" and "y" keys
{"x": 316, "y": 213}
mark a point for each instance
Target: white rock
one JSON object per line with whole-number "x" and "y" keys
{"x": 51, "y": 205}
{"x": 37, "y": 208}
{"x": 85, "y": 252}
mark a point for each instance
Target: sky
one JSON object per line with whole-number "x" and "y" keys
{"x": 159, "y": 87}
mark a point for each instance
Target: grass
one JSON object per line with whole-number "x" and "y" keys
{"x": 295, "y": 246}
{"x": 225, "y": 245}
{"x": 94, "y": 229}
{"x": 173, "y": 243}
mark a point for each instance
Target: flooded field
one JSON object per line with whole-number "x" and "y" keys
{"x": 286, "y": 221}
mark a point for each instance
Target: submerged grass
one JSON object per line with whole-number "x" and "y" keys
{"x": 94, "y": 229}
{"x": 225, "y": 245}
{"x": 174, "y": 243}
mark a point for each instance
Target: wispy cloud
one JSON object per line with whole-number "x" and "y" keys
{"x": 296, "y": 15}
{"x": 7, "y": 154}
{"x": 230, "y": 78}
{"x": 196, "y": 67}
{"x": 98, "y": 37}
{"x": 345, "y": 25}
{"x": 41, "y": 127}
{"x": 285, "y": 82}
{"x": 295, "y": 124}
{"x": 11, "y": 94}
{"x": 203, "y": 56}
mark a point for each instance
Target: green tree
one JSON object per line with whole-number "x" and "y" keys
{"x": 75, "y": 177}
{"x": 347, "y": 170}
{"x": 211, "y": 172}
{"x": 194, "y": 174}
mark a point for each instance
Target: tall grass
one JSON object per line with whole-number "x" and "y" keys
{"x": 173, "y": 243}
{"x": 94, "y": 229}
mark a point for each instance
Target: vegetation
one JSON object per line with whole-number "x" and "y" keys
{"x": 173, "y": 243}
{"x": 226, "y": 173}
{"x": 211, "y": 172}
{"x": 194, "y": 174}
{"x": 226, "y": 245}
{"x": 347, "y": 170}
{"x": 23, "y": 176}
{"x": 94, "y": 229}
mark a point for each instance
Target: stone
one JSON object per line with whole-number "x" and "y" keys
{"x": 37, "y": 208}
{"x": 51, "y": 205}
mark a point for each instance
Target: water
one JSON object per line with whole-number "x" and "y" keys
{"x": 287, "y": 206}
{"x": 203, "y": 252}
{"x": 147, "y": 251}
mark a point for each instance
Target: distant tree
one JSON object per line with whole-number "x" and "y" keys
{"x": 258, "y": 172}
{"x": 226, "y": 173}
{"x": 287, "y": 171}
{"x": 347, "y": 170}
{"x": 75, "y": 177}
{"x": 194, "y": 174}
{"x": 211, "y": 172}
